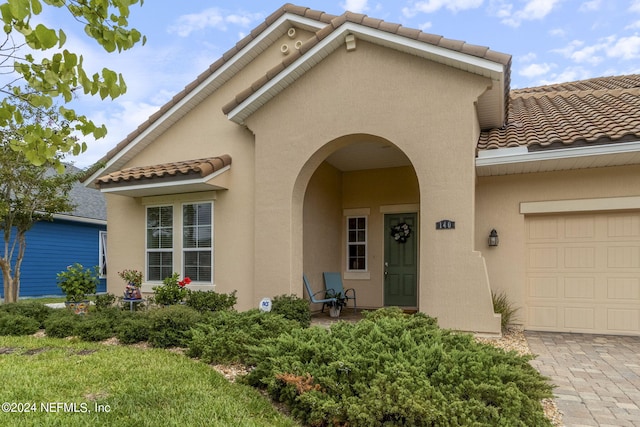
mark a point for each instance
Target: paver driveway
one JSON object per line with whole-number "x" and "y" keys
{"x": 597, "y": 376}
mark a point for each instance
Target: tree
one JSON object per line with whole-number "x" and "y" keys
{"x": 53, "y": 79}
{"x": 28, "y": 194}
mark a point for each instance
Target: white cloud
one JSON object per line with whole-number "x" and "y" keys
{"x": 357, "y": 6}
{"x": 536, "y": 70}
{"x": 635, "y": 6}
{"x": 579, "y": 53}
{"x": 626, "y": 48}
{"x": 633, "y": 26}
{"x": 557, "y": 32}
{"x": 590, "y": 6}
{"x": 210, "y": 18}
{"x": 431, "y": 6}
{"x": 426, "y": 26}
{"x": 533, "y": 10}
{"x": 529, "y": 57}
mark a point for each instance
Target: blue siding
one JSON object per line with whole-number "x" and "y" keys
{"x": 51, "y": 247}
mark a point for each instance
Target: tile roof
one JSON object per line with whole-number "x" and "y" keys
{"x": 600, "y": 110}
{"x": 198, "y": 168}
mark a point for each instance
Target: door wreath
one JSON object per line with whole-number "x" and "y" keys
{"x": 401, "y": 232}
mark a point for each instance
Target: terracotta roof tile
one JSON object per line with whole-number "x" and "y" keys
{"x": 601, "y": 110}
{"x": 194, "y": 168}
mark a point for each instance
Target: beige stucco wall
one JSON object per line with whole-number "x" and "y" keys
{"x": 498, "y": 206}
{"x": 204, "y": 132}
{"x": 427, "y": 111}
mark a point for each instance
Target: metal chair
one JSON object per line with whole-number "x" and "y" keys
{"x": 333, "y": 287}
{"x": 312, "y": 295}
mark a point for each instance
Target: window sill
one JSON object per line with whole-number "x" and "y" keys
{"x": 148, "y": 287}
{"x": 357, "y": 275}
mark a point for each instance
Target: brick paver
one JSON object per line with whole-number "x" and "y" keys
{"x": 597, "y": 377}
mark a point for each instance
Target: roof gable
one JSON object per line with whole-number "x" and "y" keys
{"x": 458, "y": 54}
{"x": 329, "y": 31}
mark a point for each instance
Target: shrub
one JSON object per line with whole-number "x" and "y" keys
{"x": 227, "y": 335}
{"x": 172, "y": 290}
{"x": 17, "y": 324}
{"x": 503, "y": 306}
{"x": 397, "y": 370}
{"x": 61, "y": 324}
{"x": 77, "y": 282}
{"x": 29, "y": 308}
{"x": 133, "y": 329}
{"x": 171, "y": 326}
{"x": 293, "y": 308}
{"x": 210, "y": 301}
{"x": 105, "y": 301}
{"x": 95, "y": 328}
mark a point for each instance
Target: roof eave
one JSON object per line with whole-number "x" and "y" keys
{"x": 518, "y": 160}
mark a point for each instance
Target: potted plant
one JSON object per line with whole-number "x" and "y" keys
{"x": 133, "y": 278}
{"x": 336, "y": 307}
{"x": 77, "y": 282}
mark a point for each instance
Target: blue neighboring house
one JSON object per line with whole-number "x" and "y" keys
{"x": 77, "y": 236}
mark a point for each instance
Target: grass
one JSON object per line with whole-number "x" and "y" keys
{"x": 138, "y": 387}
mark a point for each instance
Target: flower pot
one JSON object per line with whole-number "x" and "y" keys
{"x": 81, "y": 307}
{"x": 334, "y": 311}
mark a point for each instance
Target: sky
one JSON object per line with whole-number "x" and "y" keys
{"x": 551, "y": 41}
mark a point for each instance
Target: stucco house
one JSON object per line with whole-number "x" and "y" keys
{"x": 346, "y": 143}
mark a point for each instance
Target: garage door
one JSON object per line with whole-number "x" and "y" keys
{"x": 583, "y": 273}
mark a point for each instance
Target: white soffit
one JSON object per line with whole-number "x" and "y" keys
{"x": 516, "y": 160}
{"x": 204, "y": 89}
{"x": 335, "y": 40}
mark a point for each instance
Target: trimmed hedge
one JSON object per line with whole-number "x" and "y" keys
{"x": 227, "y": 336}
{"x": 395, "y": 369}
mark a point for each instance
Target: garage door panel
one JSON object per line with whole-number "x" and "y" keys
{"x": 583, "y": 273}
{"x": 579, "y": 288}
{"x": 623, "y": 288}
{"x": 623, "y": 320}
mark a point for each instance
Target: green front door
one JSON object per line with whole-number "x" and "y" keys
{"x": 401, "y": 260}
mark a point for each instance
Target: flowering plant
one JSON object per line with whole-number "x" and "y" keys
{"x": 77, "y": 281}
{"x": 172, "y": 290}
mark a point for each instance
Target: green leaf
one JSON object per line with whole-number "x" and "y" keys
{"x": 36, "y": 7}
{"x": 46, "y": 36}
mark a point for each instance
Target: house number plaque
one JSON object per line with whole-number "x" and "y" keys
{"x": 445, "y": 224}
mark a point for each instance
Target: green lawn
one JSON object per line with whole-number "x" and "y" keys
{"x": 73, "y": 383}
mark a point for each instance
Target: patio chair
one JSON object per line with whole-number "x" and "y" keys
{"x": 312, "y": 296}
{"x": 333, "y": 287}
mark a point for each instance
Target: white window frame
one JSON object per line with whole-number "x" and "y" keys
{"x": 183, "y": 249}
{"x": 102, "y": 253}
{"x": 364, "y": 243}
{"x": 155, "y": 250}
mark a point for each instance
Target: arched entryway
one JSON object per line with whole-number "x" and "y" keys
{"x": 359, "y": 188}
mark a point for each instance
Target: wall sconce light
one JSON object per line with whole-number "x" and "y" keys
{"x": 493, "y": 238}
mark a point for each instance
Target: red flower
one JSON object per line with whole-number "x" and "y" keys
{"x": 184, "y": 282}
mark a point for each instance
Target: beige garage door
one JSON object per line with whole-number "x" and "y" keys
{"x": 583, "y": 273}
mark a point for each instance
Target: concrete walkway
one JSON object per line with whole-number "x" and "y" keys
{"x": 597, "y": 376}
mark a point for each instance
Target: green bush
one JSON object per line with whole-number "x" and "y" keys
{"x": 29, "y": 308}
{"x": 227, "y": 335}
{"x": 293, "y": 308}
{"x": 104, "y": 301}
{"x": 503, "y": 306}
{"x": 204, "y": 301}
{"x": 171, "y": 326}
{"x": 17, "y": 324}
{"x": 392, "y": 369}
{"x": 95, "y": 328}
{"x": 133, "y": 329}
{"x": 62, "y": 323}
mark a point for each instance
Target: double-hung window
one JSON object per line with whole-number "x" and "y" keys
{"x": 197, "y": 239}
{"x": 159, "y": 242}
{"x": 357, "y": 243}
